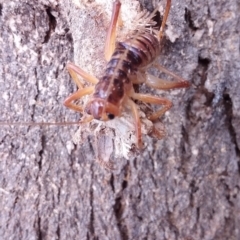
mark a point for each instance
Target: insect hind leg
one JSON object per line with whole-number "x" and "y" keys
{"x": 162, "y": 84}
{"x": 111, "y": 35}
{"x": 164, "y": 20}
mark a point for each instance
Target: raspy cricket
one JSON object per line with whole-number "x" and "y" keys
{"x": 127, "y": 63}
{"x": 111, "y": 100}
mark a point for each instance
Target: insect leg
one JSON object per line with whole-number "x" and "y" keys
{"x": 167, "y": 104}
{"x": 159, "y": 83}
{"x": 165, "y": 16}
{"x": 74, "y": 70}
{"x": 137, "y": 122}
{"x": 111, "y": 35}
{"x": 138, "y": 77}
{"x": 77, "y": 95}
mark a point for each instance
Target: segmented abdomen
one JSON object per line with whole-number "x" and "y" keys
{"x": 128, "y": 57}
{"x": 142, "y": 49}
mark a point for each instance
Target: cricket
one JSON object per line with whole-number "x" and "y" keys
{"x": 114, "y": 91}
{"x": 127, "y": 64}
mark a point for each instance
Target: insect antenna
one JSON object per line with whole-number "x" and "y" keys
{"x": 38, "y": 123}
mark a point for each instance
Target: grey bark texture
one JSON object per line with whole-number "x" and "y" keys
{"x": 185, "y": 186}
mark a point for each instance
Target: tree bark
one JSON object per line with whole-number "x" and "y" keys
{"x": 185, "y": 186}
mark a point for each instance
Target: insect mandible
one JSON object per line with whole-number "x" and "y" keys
{"x": 127, "y": 62}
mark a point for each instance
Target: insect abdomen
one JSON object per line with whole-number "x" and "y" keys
{"x": 142, "y": 49}
{"x": 127, "y": 58}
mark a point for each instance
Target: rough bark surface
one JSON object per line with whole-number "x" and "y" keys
{"x": 185, "y": 186}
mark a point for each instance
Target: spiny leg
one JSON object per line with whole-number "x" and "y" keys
{"x": 165, "y": 16}
{"x": 167, "y": 104}
{"x": 142, "y": 77}
{"x": 74, "y": 75}
{"x": 180, "y": 82}
{"x": 77, "y": 95}
{"x": 111, "y": 35}
{"x": 158, "y": 83}
{"x": 138, "y": 77}
{"x": 137, "y": 122}
{"x": 74, "y": 70}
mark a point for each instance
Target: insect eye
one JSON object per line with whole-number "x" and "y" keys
{"x": 110, "y": 116}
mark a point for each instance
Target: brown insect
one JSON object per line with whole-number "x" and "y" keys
{"x": 127, "y": 64}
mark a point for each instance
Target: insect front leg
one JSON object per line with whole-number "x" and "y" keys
{"x": 77, "y": 95}
{"x": 74, "y": 72}
{"x": 111, "y": 35}
{"x": 167, "y": 104}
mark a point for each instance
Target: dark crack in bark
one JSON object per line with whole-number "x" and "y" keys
{"x": 189, "y": 20}
{"x": 119, "y": 207}
{"x": 52, "y": 23}
{"x": 227, "y": 102}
